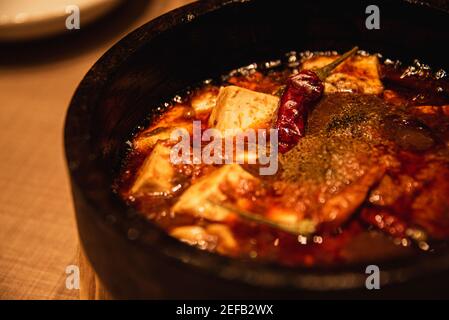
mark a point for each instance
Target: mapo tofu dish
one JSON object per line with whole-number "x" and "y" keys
{"x": 355, "y": 164}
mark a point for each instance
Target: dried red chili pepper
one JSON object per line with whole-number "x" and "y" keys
{"x": 302, "y": 92}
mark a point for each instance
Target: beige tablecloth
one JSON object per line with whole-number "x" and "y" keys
{"x": 38, "y": 238}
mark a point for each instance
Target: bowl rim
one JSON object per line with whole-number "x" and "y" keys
{"x": 262, "y": 274}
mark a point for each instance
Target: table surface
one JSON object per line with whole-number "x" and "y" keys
{"x": 38, "y": 237}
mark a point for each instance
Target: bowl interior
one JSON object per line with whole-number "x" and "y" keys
{"x": 202, "y": 41}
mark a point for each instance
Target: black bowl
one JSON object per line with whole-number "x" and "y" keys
{"x": 135, "y": 259}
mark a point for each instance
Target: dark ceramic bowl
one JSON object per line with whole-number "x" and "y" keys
{"x": 135, "y": 259}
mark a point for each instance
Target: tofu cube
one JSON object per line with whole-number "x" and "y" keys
{"x": 357, "y": 74}
{"x": 215, "y": 235}
{"x": 239, "y": 109}
{"x": 205, "y": 100}
{"x": 172, "y": 119}
{"x": 195, "y": 199}
{"x": 156, "y": 172}
{"x": 190, "y": 234}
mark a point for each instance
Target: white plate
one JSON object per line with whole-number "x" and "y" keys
{"x": 29, "y": 19}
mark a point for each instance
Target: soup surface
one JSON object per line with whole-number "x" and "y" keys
{"x": 367, "y": 179}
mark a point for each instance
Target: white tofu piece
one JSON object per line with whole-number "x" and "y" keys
{"x": 214, "y": 235}
{"x": 173, "y": 115}
{"x": 190, "y": 234}
{"x": 195, "y": 199}
{"x": 156, "y": 172}
{"x": 147, "y": 140}
{"x": 205, "y": 100}
{"x": 226, "y": 240}
{"x": 357, "y": 74}
{"x": 171, "y": 120}
{"x": 238, "y": 109}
